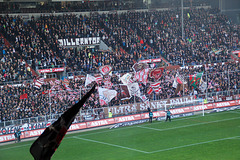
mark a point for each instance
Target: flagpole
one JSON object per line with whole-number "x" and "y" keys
{"x": 183, "y": 89}
{"x": 228, "y": 82}
{"x": 207, "y": 84}
{"x": 182, "y": 20}
{"x": 80, "y": 112}
{"x": 50, "y": 104}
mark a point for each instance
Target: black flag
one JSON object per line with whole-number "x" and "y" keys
{"x": 47, "y": 143}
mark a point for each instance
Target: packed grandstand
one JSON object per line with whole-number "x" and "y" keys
{"x": 144, "y": 52}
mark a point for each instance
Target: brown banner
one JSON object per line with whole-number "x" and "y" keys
{"x": 140, "y": 107}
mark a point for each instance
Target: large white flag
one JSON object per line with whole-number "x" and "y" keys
{"x": 126, "y": 78}
{"x": 134, "y": 89}
{"x": 175, "y": 83}
{"x": 89, "y": 79}
{"x": 203, "y": 86}
{"x": 106, "y": 95}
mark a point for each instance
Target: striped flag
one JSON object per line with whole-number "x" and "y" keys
{"x": 38, "y": 83}
{"x": 142, "y": 76}
{"x": 156, "y": 87}
{"x": 98, "y": 78}
{"x": 51, "y": 83}
{"x": 150, "y": 90}
{"x": 180, "y": 79}
{"x": 57, "y": 81}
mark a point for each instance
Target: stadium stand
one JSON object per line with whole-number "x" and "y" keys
{"x": 132, "y": 36}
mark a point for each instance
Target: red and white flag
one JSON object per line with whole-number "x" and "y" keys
{"x": 89, "y": 79}
{"x": 150, "y": 90}
{"x": 156, "y": 87}
{"x": 107, "y": 84}
{"x": 143, "y": 97}
{"x": 57, "y": 81}
{"x": 98, "y": 79}
{"x": 105, "y": 69}
{"x": 38, "y": 83}
{"x": 142, "y": 76}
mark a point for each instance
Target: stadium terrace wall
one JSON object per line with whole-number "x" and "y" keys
{"x": 114, "y": 120}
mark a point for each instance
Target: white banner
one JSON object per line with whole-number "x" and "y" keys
{"x": 79, "y": 41}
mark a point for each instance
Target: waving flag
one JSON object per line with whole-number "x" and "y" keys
{"x": 105, "y": 69}
{"x": 150, "y": 90}
{"x": 124, "y": 92}
{"x": 134, "y": 89}
{"x": 139, "y": 66}
{"x": 156, "y": 87}
{"x": 38, "y": 83}
{"x": 106, "y": 95}
{"x": 47, "y": 143}
{"x": 24, "y": 96}
{"x": 126, "y": 78}
{"x": 195, "y": 79}
{"x": 142, "y": 76}
{"x": 156, "y": 73}
{"x": 89, "y": 79}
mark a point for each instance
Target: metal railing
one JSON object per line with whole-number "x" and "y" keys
{"x": 16, "y": 82}
{"x": 98, "y": 113}
{"x": 49, "y": 66}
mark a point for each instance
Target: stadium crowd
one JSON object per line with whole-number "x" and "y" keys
{"x": 209, "y": 37}
{"x": 37, "y": 102}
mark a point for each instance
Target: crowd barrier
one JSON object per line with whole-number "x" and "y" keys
{"x": 114, "y": 120}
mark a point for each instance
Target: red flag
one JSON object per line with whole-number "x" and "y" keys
{"x": 150, "y": 90}
{"x": 179, "y": 80}
{"x": 24, "y": 96}
{"x": 156, "y": 73}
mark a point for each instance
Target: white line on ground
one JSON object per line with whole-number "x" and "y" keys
{"x": 194, "y": 144}
{"x": 167, "y": 149}
{"x": 109, "y": 144}
{"x": 146, "y": 125}
{"x": 190, "y": 125}
{"x": 24, "y": 145}
{"x": 114, "y": 130}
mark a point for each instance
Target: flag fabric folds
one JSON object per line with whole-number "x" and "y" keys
{"x": 156, "y": 87}
{"x": 127, "y": 91}
{"x": 139, "y": 66}
{"x": 125, "y": 79}
{"x": 106, "y": 95}
{"x": 195, "y": 79}
{"x": 156, "y": 73}
{"x": 24, "y": 96}
{"x": 89, "y": 79}
{"x": 134, "y": 89}
{"x": 142, "y": 76}
{"x": 38, "y": 83}
{"x": 124, "y": 92}
{"x": 105, "y": 69}
{"x": 46, "y": 144}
